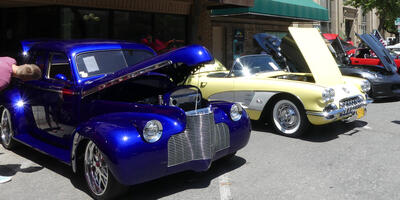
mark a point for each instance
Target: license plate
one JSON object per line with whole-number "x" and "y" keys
{"x": 360, "y": 113}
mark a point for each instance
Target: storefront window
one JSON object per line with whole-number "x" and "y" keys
{"x": 26, "y": 23}
{"x": 131, "y": 26}
{"x": 80, "y": 23}
{"x": 43, "y": 22}
{"x": 57, "y": 22}
{"x": 167, "y": 27}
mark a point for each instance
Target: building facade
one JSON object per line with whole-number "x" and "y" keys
{"x": 347, "y": 20}
{"x": 225, "y": 27}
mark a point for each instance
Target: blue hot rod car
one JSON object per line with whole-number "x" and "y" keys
{"x": 115, "y": 110}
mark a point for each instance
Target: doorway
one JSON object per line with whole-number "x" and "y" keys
{"x": 349, "y": 28}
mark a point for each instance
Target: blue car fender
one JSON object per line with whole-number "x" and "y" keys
{"x": 120, "y": 137}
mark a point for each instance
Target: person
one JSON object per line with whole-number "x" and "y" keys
{"x": 161, "y": 46}
{"x": 9, "y": 69}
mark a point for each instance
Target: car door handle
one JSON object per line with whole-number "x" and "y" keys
{"x": 203, "y": 84}
{"x": 356, "y": 61}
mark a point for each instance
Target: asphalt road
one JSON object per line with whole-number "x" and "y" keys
{"x": 359, "y": 160}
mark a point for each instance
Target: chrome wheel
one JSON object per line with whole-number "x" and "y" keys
{"x": 6, "y": 128}
{"x": 96, "y": 170}
{"x": 286, "y": 117}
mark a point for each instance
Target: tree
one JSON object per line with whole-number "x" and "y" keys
{"x": 388, "y": 11}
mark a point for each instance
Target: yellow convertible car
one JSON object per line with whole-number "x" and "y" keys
{"x": 289, "y": 101}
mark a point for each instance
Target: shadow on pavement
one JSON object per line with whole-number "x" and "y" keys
{"x": 12, "y": 169}
{"x": 396, "y": 122}
{"x": 322, "y": 133}
{"x": 46, "y": 162}
{"x": 387, "y": 100}
{"x": 182, "y": 181}
{"x": 164, "y": 186}
{"x": 331, "y": 131}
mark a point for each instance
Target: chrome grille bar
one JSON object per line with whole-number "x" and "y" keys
{"x": 350, "y": 105}
{"x": 201, "y": 139}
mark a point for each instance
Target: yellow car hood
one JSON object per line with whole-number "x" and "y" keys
{"x": 317, "y": 55}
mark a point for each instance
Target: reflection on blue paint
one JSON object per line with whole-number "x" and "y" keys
{"x": 20, "y": 103}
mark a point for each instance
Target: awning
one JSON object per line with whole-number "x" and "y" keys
{"x": 293, "y": 9}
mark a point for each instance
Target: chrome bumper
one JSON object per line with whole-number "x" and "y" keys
{"x": 339, "y": 112}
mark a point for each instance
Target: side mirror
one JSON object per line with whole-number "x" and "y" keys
{"x": 61, "y": 77}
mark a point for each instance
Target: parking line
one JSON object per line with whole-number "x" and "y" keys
{"x": 224, "y": 187}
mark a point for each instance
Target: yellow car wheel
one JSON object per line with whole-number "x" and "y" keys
{"x": 288, "y": 117}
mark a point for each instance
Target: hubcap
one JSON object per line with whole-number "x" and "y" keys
{"x": 286, "y": 116}
{"x": 96, "y": 170}
{"x": 6, "y": 129}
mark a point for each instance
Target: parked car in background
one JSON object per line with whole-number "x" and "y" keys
{"x": 116, "y": 111}
{"x": 363, "y": 54}
{"x": 348, "y": 45}
{"x": 374, "y": 63}
{"x": 394, "y": 49}
{"x": 288, "y": 101}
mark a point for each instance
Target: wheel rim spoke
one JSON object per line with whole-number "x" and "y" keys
{"x": 96, "y": 169}
{"x": 6, "y": 129}
{"x": 286, "y": 116}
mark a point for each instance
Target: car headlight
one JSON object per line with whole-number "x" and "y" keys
{"x": 236, "y": 112}
{"x": 328, "y": 95}
{"x": 152, "y": 131}
{"x": 365, "y": 86}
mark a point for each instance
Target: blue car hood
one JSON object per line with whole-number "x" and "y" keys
{"x": 191, "y": 57}
{"x": 381, "y": 52}
{"x": 269, "y": 43}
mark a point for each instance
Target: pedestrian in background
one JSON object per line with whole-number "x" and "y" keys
{"x": 8, "y": 69}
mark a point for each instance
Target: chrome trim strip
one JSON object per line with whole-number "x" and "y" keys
{"x": 126, "y": 77}
{"x": 202, "y": 111}
{"x": 52, "y": 90}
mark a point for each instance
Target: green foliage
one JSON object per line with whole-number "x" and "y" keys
{"x": 388, "y": 11}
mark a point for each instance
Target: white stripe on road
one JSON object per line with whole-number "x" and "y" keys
{"x": 224, "y": 187}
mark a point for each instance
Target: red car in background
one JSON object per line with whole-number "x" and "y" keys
{"x": 348, "y": 46}
{"x": 362, "y": 55}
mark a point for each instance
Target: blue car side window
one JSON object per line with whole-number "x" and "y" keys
{"x": 59, "y": 65}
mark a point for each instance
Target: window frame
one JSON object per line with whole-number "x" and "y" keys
{"x": 49, "y": 66}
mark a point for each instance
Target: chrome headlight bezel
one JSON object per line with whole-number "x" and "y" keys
{"x": 152, "y": 131}
{"x": 236, "y": 112}
{"x": 365, "y": 86}
{"x": 328, "y": 95}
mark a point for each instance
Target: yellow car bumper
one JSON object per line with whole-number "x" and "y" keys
{"x": 348, "y": 113}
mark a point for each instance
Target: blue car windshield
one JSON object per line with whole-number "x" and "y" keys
{"x": 253, "y": 64}
{"x": 105, "y": 62}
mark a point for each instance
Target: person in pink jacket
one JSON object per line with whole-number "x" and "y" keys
{"x": 8, "y": 69}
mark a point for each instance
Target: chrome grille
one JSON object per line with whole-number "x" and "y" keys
{"x": 200, "y": 140}
{"x": 350, "y": 105}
